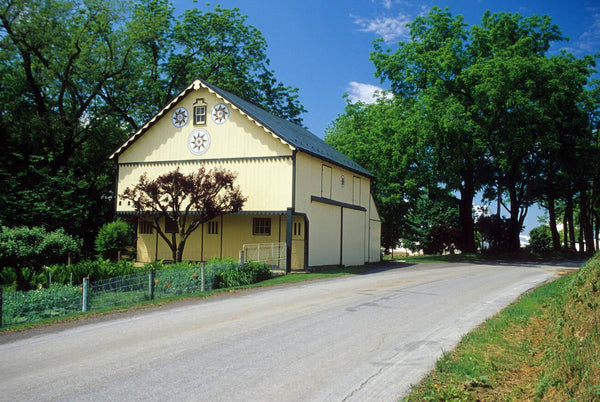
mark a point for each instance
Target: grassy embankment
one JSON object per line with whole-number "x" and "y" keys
{"x": 545, "y": 346}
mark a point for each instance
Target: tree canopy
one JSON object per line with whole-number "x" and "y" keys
{"x": 185, "y": 200}
{"x": 78, "y": 77}
{"x": 482, "y": 109}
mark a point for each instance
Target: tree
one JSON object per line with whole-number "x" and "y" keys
{"x": 27, "y": 250}
{"x": 509, "y": 85}
{"x": 186, "y": 200}
{"x": 56, "y": 56}
{"x": 434, "y": 223}
{"x": 430, "y": 68}
{"x": 540, "y": 239}
{"x": 78, "y": 77}
{"x": 114, "y": 238}
{"x": 494, "y": 113}
{"x": 232, "y": 55}
{"x": 493, "y": 230}
{"x": 218, "y": 46}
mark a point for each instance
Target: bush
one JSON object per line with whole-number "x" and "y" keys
{"x": 233, "y": 275}
{"x": 28, "y": 250}
{"x": 95, "y": 269}
{"x": 114, "y": 237}
{"x": 494, "y": 231}
{"x": 540, "y": 239}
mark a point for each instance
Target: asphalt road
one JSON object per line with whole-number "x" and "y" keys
{"x": 358, "y": 338}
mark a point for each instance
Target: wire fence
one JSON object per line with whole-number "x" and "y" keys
{"x": 18, "y": 307}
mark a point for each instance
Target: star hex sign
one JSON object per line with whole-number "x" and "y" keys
{"x": 220, "y": 113}
{"x": 199, "y": 141}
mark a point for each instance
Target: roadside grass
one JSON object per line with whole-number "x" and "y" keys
{"x": 131, "y": 301}
{"x": 523, "y": 255}
{"x": 545, "y": 346}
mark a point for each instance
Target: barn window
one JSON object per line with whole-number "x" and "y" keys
{"x": 170, "y": 226}
{"x": 199, "y": 112}
{"x": 144, "y": 227}
{"x": 298, "y": 229}
{"x": 356, "y": 191}
{"x": 261, "y": 226}
{"x": 213, "y": 227}
{"x": 325, "y": 181}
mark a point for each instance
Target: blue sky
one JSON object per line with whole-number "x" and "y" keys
{"x": 322, "y": 47}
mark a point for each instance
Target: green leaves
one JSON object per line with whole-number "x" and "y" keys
{"x": 27, "y": 250}
{"x": 114, "y": 237}
{"x": 489, "y": 110}
{"x": 77, "y": 77}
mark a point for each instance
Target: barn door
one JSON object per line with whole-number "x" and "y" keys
{"x": 298, "y": 243}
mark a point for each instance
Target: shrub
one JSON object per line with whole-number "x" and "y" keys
{"x": 114, "y": 237}
{"x": 28, "y": 250}
{"x": 540, "y": 239}
{"x": 233, "y": 275}
{"x": 95, "y": 269}
{"x": 493, "y": 230}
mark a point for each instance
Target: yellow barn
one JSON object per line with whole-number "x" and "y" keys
{"x": 304, "y": 196}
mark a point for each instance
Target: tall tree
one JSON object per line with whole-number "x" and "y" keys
{"x": 56, "y": 57}
{"x": 430, "y": 68}
{"x": 77, "y": 77}
{"x": 186, "y": 200}
{"x": 491, "y": 111}
{"x": 509, "y": 49}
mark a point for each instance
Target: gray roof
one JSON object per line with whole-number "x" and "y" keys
{"x": 297, "y": 136}
{"x": 293, "y": 134}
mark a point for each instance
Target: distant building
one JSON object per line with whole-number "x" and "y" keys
{"x": 301, "y": 192}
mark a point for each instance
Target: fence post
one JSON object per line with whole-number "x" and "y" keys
{"x": 202, "y": 276}
{"x": 241, "y": 258}
{"x": 86, "y": 288}
{"x": 151, "y": 284}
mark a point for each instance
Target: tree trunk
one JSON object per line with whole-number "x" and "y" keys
{"x": 586, "y": 222}
{"x": 174, "y": 248}
{"x": 566, "y": 230}
{"x": 553, "y": 228}
{"x": 514, "y": 226}
{"x": 571, "y": 221}
{"x": 467, "y": 193}
{"x": 582, "y": 221}
{"x": 22, "y": 281}
{"x": 180, "y": 248}
{"x": 596, "y": 232}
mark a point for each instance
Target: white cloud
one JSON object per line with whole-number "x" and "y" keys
{"x": 589, "y": 41}
{"x": 366, "y": 93}
{"x": 391, "y": 29}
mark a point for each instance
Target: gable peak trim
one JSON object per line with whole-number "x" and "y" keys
{"x": 201, "y": 84}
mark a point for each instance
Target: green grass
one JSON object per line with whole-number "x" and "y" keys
{"x": 545, "y": 346}
{"x": 122, "y": 301}
{"x": 520, "y": 256}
